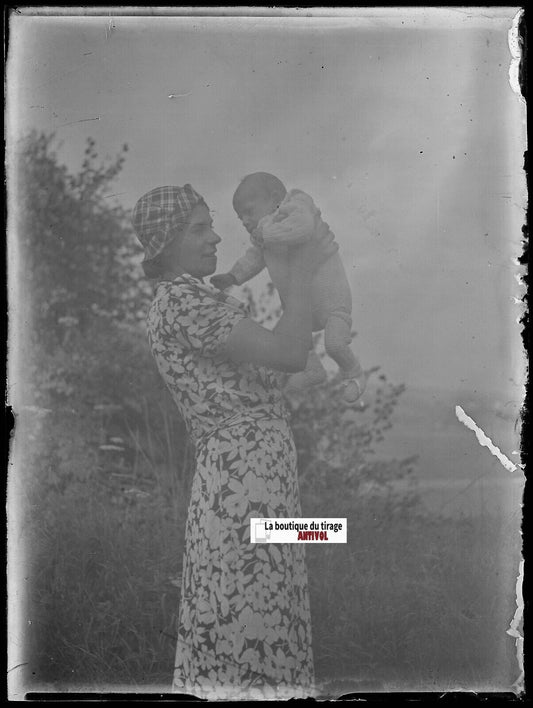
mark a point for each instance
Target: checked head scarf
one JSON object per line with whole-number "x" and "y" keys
{"x": 159, "y": 212}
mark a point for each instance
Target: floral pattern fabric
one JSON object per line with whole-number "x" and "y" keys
{"x": 244, "y": 620}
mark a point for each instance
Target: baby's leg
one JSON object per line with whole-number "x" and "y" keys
{"x": 337, "y": 342}
{"x": 313, "y": 374}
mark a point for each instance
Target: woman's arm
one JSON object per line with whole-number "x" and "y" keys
{"x": 287, "y": 346}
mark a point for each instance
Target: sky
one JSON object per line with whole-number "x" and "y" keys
{"x": 400, "y": 123}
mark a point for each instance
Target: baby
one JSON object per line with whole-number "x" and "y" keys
{"x": 275, "y": 220}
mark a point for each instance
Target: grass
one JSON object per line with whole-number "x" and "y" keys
{"x": 104, "y": 593}
{"x": 417, "y": 607}
{"x": 410, "y": 603}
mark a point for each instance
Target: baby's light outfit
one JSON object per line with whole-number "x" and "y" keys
{"x": 292, "y": 223}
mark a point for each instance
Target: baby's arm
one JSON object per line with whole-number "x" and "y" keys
{"x": 243, "y": 270}
{"x": 248, "y": 265}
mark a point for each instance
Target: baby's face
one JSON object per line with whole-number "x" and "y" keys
{"x": 251, "y": 206}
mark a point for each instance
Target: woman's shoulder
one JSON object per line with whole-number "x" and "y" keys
{"x": 188, "y": 293}
{"x": 172, "y": 299}
{"x": 193, "y": 314}
{"x": 174, "y": 306}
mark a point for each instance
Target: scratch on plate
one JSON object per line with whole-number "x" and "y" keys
{"x": 25, "y": 663}
{"x": 514, "y": 47}
{"x": 82, "y": 120}
{"x": 483, "y": 439}
{"x": 513, "y": 630}
{"x": 110, "y": 28}
{"x": 179, "y": 95}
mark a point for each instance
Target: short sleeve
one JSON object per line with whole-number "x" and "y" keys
{"x": 194, "y": 319}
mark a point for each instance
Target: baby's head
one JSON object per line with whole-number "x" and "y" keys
{"x": 256, "y": 196}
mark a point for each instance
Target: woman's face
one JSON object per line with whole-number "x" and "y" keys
{"x": 194, "y": 251}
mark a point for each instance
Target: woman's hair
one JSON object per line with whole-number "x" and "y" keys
{"x": 157, "y": 266}
{"x": 154, "y": 268}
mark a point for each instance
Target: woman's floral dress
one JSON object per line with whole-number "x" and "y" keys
{"x": 244, "y": 621}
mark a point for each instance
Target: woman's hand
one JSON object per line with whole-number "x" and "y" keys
{"x": 223, "y": 281}
{"x": 309, "y": 256}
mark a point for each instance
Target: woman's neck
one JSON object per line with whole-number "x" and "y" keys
{"x": 173, "y": 273}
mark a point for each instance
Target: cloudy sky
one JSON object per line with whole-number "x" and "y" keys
{"x": 401, "y": 124}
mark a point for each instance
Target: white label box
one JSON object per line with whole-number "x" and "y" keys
{"x": 308, "y": 530}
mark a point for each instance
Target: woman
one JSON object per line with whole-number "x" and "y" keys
{"x": 244, "y": 620}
